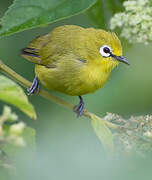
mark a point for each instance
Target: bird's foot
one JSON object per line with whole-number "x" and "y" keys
{"x": 79, "y": 109}
{"x": 35, "y": 87}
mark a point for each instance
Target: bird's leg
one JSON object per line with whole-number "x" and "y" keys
{"x": 35, "y": 87}
{"x": 79, "y": 108}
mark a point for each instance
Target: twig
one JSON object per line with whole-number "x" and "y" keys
{"x": 8, "y": 71}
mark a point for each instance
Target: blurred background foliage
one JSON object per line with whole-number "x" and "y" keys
{"x": 67, "y": 147}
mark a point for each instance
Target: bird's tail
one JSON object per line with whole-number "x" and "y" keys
{"x": 32, "y": 51}
{"x": 31, "y": 54}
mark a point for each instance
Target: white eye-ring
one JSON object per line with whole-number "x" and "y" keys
{"x": 105, "y": 51}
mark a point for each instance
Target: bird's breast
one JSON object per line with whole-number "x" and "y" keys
{"x": 95, "y": 77}
{"x": 74, "y": 80}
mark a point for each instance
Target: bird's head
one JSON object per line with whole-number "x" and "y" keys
{"x": 110, "y": 48}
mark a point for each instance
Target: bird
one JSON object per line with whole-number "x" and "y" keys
{"x": 73, "y": 60}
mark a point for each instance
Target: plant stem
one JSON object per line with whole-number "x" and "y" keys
{"x": 8, "y": 71}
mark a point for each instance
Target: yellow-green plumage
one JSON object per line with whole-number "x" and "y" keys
{"x": 68, "y": 59}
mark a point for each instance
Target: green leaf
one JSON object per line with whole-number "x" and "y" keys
{"x": 103, "y": 133}
{"x": 12, "y": 93}
{"x": 101, "y": 12}
{"x": 28, "y": 14}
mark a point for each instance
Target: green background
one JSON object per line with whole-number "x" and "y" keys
{"x": 67, "y": 147}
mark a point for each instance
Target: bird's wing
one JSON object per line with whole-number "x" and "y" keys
{"x": 32, "y": 51}
{"x": 45, "y": 51}
{"x": 62, "y": 42}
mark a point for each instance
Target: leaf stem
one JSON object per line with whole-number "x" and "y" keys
{"x": 12, "y": 74}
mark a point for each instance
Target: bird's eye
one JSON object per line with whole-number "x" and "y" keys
{"x": 105, "y": 51}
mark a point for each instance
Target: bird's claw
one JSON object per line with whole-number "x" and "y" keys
{"x": 35, "y": 87}
{"x": 79, "y": 109}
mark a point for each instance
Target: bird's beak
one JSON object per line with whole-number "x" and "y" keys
{"x": 120, "y": 58}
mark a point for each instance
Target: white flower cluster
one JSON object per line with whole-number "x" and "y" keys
{"x": 135, "y": 22}
{"x": 13, "y": 134}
